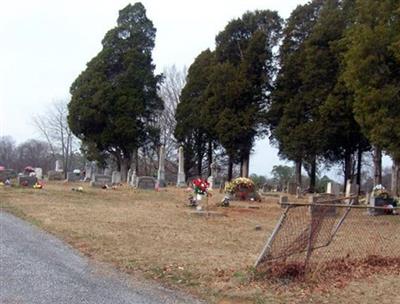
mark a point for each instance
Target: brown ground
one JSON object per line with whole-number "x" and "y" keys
{"x": 153, "y": 234}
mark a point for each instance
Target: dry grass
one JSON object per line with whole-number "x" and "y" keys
{"x": 153, "y": 234}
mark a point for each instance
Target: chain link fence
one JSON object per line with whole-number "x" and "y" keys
{"x": 313, "y": 239}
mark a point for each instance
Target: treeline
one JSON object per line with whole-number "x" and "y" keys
{"x": 330, "y": 94}
{"x": 323, "y": 85}
{"x": 34, "y": 153}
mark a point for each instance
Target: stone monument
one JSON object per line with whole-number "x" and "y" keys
{"x": 59, "y": 167}
{"x": 133, "y": 179}
{"x": 161, "y": 168}
{"x": 146, "y": 182}
{"x": 129, "y": 176}
{"x": 116, "y": 177}
{"x": 39, "y": 173}
{"x": 181, "y": 182}
{"x": 100, "y": 180}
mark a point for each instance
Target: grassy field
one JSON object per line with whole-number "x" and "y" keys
{"x": 153, "y": 234}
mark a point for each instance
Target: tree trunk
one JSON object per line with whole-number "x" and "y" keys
{"x": 395, "y": 177}
{"x": 230, "y": 169}
{"x": 245, "y": 165}
{"x": 313, "y": 174}
{"x": 199, "y": 164}
{"x": 137, "y": 160}
{"x": 359, "y": 167}
{"x": 377, "y": 165}
{"x": 125, "y": 162}
{"x": 210, "y": 157}
{"x": 298, "y": 173}
{"x": 347, "y": 169}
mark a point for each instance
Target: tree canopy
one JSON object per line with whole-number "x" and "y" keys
{"x": 114, "y": 100}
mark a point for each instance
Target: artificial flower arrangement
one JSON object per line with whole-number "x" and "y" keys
{"x": 238, "y": 184}
{"x": 38, "y": 185}
{"x": 200, "y": 186}
{"x": 381, "y": 192}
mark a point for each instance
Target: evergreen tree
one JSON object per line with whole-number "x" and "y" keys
{"x": 372, "y": 72}
{"x": 244, "y": 50}
{"x": 191, "y": 130}
{"x": 114, "y": 100}
{"x": 290, "y": 110}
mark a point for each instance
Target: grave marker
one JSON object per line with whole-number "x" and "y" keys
{"x": 116, "y": 177}
{"x": 181, "y": 182}
{"x": 146, "y": 182}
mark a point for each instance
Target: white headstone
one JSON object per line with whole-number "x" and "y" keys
{"x": 329, "y": 188}
{"x": 129, "y": 176}
{"x": 181, "y": 182}
{"x": 161, "y": 168}
{"x": 210, "y": 180}
{"x": 133, "y": 179}
{"x": 39, "y": 173}
{"x": 59, "y": 167}
{"x": 88, "y": 172}
{"x": 107, "y": 171}
{"x": 116, "y": 177}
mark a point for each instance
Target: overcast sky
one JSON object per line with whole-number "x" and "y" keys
{"x": 45, "y": 44}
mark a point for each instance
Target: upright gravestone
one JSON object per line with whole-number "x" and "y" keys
{"x": 146, "y": 182}
{"x": 129, "y": 176}
{"x": 107, "y": 171}
{"x": 27, "y": 181}
{"x": 161, "y": 168}
{"x": 333, "y": 188}
{"x": 100, "y": 180}
{"x": 39, "y": 173}
{"x": 88, "y": 172}
{"x": 211, "y": 179}
{"x": 181, "y": 182}
{"x": 59, "y": 167}
{"x": 133, "y": 179}
{"x": 329, "y": 188}
{"x": 116, "y": 177}
{"x": 55, "y": 175}
{"x": 73, "y": 177}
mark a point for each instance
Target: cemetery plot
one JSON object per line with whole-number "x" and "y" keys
{"x": 152, "y": 234}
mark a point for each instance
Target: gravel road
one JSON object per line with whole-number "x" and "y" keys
{"x": 37, "y": 268}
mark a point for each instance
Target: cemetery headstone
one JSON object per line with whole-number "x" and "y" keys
{"x": 39, "y": 173}
{"x": 59, "y": 167}
{"x": 133, "y": 179}
{"x": 116, "y": 177}
{"x": 27, "y": 181}
{"x": 55, "y": 175}
{"x": 88, "y": 172}
{"x": 73, "y": 177}
{"x": 161, "y": 168}
{"x": 7, "y": 174}
{"x": 129, "y": 176}
{"x": 146, "y": 182}
{"x": 107, "y": 171}
{"x": 215, "y": 180}
{"x": 333, "y": 188}
{"x": 378, "y": 202}
{"x": 181, "y": 182}
{"x": 100, "y": 180}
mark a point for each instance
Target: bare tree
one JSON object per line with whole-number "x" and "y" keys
{"x": 169, "y": 92}
{"x": 35, "y": 153}
{"x": 54, "y": 128}
{"x": 7, "y": 151}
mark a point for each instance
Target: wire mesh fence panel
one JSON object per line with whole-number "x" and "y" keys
{"x": 316, "y": 237}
